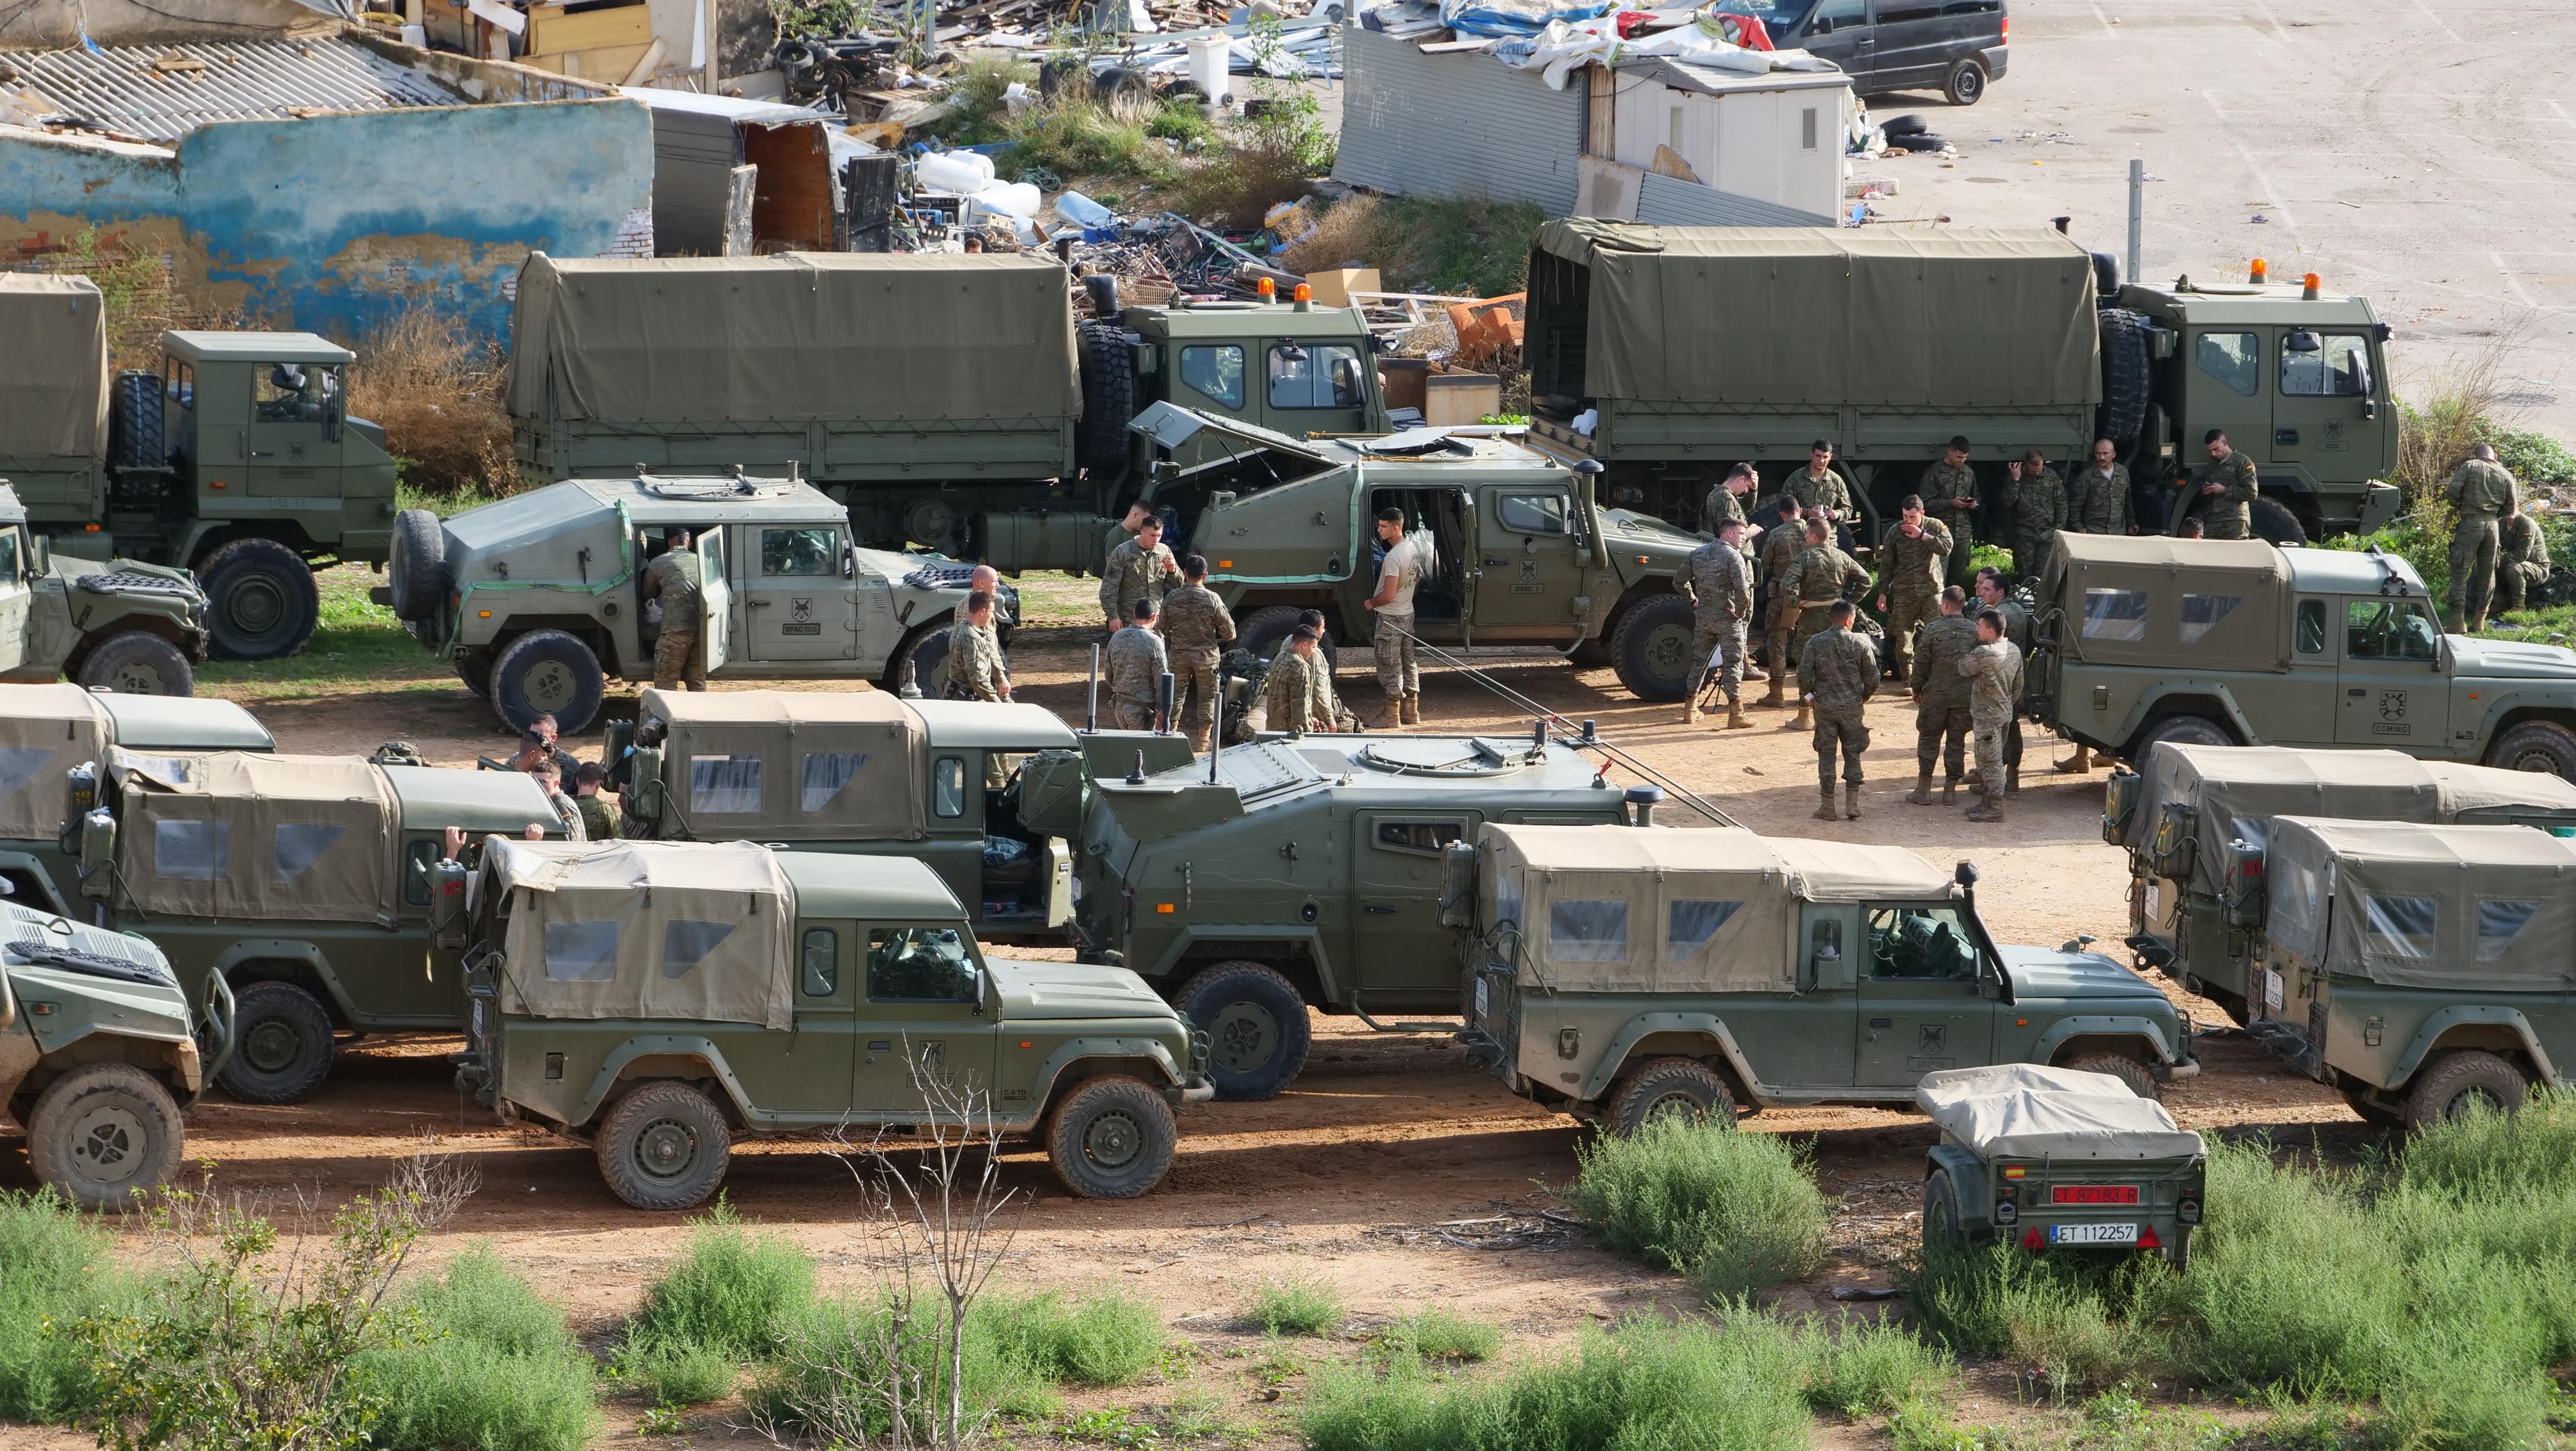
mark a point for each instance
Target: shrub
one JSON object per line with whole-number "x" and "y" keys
{"x": 53, "y": 1267}
{"x": 497, "y": 1369}
{"x": 1295, "y": 1307}
{"x": 439, "y": 396}
{"x": 1870, "y": 1367}
{"x": 1733, "y": 1211}
{"x": 1267, "y": 158}
{"x": 1072, "y": 135}
{"x": 832, "y": 1379}
{"x": 730, "y": 1298}
{"x": 1437, "y": 1334}
{"x": 2534, "y": 458}
{"x": 1107, "y": 1340}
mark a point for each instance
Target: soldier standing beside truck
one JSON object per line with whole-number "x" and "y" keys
{"x": 2522, "y": 560}
{"x": 2037, "y": 497}
{"x": 1993, "y": 671}
{"x": 1941, "y": 719}
{"x": 1719, "y": 585}
{"x": 675, "y": 579}
{"x": 1136, "y": 666}
{"x": 1949, "y": 489}
{"x": 2481, "y": 491}
{"x": 1782, "y": 543}
{"x": 2097, "y": 499}
{"x": 1726, "y": 501}
{"x": 1196, "y": 630}
{"x": 2230, "y": 480}
{"x": 1911, "y": 558}
{"x": 1839, "y": 672}
{"x": 1140, "y": 569}
{"x": 1819, "y": 576}
{"x": 1398, "y": 674}
{"x": 1820, "y": 486}
{"x": 975, "y": 655}
{"x": 1991, "y": 595}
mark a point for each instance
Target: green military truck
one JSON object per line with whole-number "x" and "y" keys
{"x": 1670, "y": 354}
{"x": 303, "y": 882}
{"x": 237, "y": 458}
{"x": 1617, "y": 974}
{"x": 120, "y": 625}
{"x": 2138, "y": 641}
{"x": 2051, "y": 1159}
{"x": 99, "y": 1054}
{"x": 655, "y": 1000}
{"x": 2178, "y": 813}
{"x": 2421, "y": 970}
{"x": 950, "y": 401}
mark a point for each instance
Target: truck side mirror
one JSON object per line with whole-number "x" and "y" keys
{"x": 97, "y": 853}
{"x": 1824, "y": 954}
{"x": 1458, "y": 885}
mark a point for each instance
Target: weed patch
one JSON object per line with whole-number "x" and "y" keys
{"x": 1438, "y": 1334}
{"x": 1295, "y": 1307}
{"x": 1109, "y": 1340}
{"x": 496, "y": 1369}
{"x": 53, "y": 1268}
{"x": 731, "y": 1298}
{"x": 1733, "y": 1211}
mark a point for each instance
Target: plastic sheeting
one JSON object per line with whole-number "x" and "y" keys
{"x": 45, "y": 730}
{"x": 792, "y": 765}
{"x": 1516, "y": 17}
{"x": 2468, "y": 908}
{"x": 2026, "y": 1111}
{"x": 696, "y": 931}
{"x": 1565, "y": 44}
{"x": 235, "y": 835}
{"x": 53, "y": 373}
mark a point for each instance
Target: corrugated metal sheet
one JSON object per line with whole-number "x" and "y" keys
{"x": 119, "y": 89}
{"x": 1455, "y": 125}
{"x": 1668, "y": 202}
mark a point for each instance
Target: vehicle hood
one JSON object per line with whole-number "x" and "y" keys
{"x": 127, "y": 576}
{"x": 2041, "y": 972}
{"x": 2509, "y": 659}
{"x": 938, "y": 575}
{"x": 1625, "y": 526}
{"x": 1042, "y": 990}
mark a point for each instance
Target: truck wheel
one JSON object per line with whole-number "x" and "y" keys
{"x": 2461, "y": 1083}
{"x": 136, "y": 439}
{"x": 260, "y": 600}
{"x": 1671, "y": 1086}
{"x": 1966, "y": 84}
{"x": 2536, "y": 745}
{"x": 1652, "y": 647}
{"x": 135, "y": 663}
{"x": 2127, "y": 373}
{"x": 283, "y": 1045}
{"x": 1265, "y": 632}
{"x": 2272, "y": 521}
{"x": 917, "y": 659}
{"x": 1108, "y": 397}
{"x": 1942, "y": 1228}
{"x": 103, "y": 1133}
{"x": 416, "y": 574}
{"x": 664, "y": 1146}
{"x": 2141, "y": 1079}
{"x": 1111, "y": 1138}
{"x": 1256, "y": 1024}
{"x": 548, "y": 672}
{"x": 2182, "y": 730}
{"x": 474, "y": 668}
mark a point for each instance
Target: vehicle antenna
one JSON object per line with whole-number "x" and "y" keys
{"x": 1091, "y": 708}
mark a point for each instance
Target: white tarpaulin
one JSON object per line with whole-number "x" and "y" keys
{"x": 2027, "y": 1111}
{"x": 634, "y": 929}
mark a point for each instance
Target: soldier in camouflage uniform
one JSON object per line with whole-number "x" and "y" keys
{"x": 1140, "y": 569}
{"x": 1839, "y": 673}
{"x": 1941, "y": 721}
{"x": 1990, "y": 594}
{"x": 1327, "y": 702}
{"x": 1290, "y": 690}
{"x": 1820, "y": 575}
{"x": 674, "y": 578}
{"x": 1949, "y": 491}
{"x": 2229, "y": 480}
{"x": 1782, "y": 543}
{"x": 1820, "y": 485}
{"x": 2037, "y": 498}
{"x": 1719, "y": 584}
{"x": 1726, "y": 501}
{"x": 1399, "y": 674}
{"x": 974, "y": 660}
{"x": 2522, "y": 561}
{"x": 1136, "y": 667}
{"x": 1912, "y": 556}
{"x": 1197, "y": 629}
{"x": 2482, "y": 492}
{"x": 1993, "y": 672}
{"x": 2097, "y": 500}
{"x": 599, "y": 815}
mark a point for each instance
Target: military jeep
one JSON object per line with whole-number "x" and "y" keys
{"x": 1616, "y": 973}
{"x": 137, "y": 629}
{"x": 655, "y": 999}
{"x": 2217, "y": 643}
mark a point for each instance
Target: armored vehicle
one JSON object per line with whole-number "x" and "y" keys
{"x": 2051, "y": 1159}
{"x": 236, "y": 458}
{"x": 538, "y": 598}
{"x": 2421, "y": 970}
{"x": 1671, "y": 353}
{"x": 2179, "y": 811}
{"x": 2215, "y": 642}
{"x": 949, "y": 401}
{"x": 767, "y": 992}
{"x": 137, "y": 629}
{"x": 1616, "y": 974}
{"x": 98, "y": 1054}
{"x": 303, "y": 882}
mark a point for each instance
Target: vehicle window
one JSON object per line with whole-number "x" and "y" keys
{"x": 798, "y": 551}
{"x": 418, "y": 858}
{"x": 2255, "y": 831}
{"x": 948, "y": 786}
{"x": 2115, "y": 614}
{"x": 1216, "y": 372}
{"x": 1892, "y": 14}
{"x": 2234, "y": 359}
{"x": 1585, "y": 929}
{"x": 1833, "y": 15}
{"x": 1531, "y": 513}
{"x": 2388, "y": 630}
{"x": 686, "y": 943}
{"x": 2295, "y": 917}
{"x": 296, "y": 393}
{"x": 2339, "y": 368}
{"x": 1807, "y": 129}
{"x": 179, "y": 382}
{"x": 9, "y": 557}
{"x": 2201, "y": 614}
{"x": 2398, "y": 926}
{"x": 1920, "y": 943}
{"x": 920, "y": 965}
{"x": 1427, "y": 837}
{"x": 2499, "y": 922}
{"x": 298, "y": 845}
{"x": 191, "y": 851}
{"x": 820, "y": 972}
{"x": 1314, "y": 375}
{"x": 823, "y": 774}
{"x": 1507, "y": 901}
{"x": 725, "y": 785}
{"x": 581, "y": 951}
{"x": 2312, "y": 627}
{"x": 1689, "y": 922}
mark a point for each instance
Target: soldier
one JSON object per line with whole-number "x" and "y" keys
{"x": 2097, "y": 499}
{"x": 974, "y": 661}
{"x": 1820, "y": 575}
{"x": 1140, "y": 569}
{"x": 2522, "y": 561}
{"x": 2482, "y": 492}
{"x": 1397, "y": 673}
{"x": 674, "y": 579}
{"x": 549, "y": 779}
{"x": 2230, "y": 481}
{"x": 1719, "y": 584}
{"x": 1912, "y": 555}
{"x": 599, "y": 818}
{"x": 1290, "y": 690}
{"x": 1819, "y": 485}
{"x": 1839, "y": 673}
{"x": 1991, "y": 595}
{"x": 1327, "y": 702}
{"x": 2037, "y": 498}
{"x": 1949, "y": 490}
{"x": 1993, "y": 672}
{"x": 1197, "y": 629}
{"x": 1726, "y": 501}
{"x": 1136, "y": 666}
{"x": 1941, "y": 722}
{"x": 1782, "y": 543}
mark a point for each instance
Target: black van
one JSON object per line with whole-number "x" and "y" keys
{"x": 1956, "y": 46}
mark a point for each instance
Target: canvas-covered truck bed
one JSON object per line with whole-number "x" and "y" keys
{"x": 2050, "y": 1158}
{"x": 53, "y": 389}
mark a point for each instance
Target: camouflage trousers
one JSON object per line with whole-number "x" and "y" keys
{"x": 2030, "y": 552}
{"x": 1718, "y": 644}
{"x": 1194, "y": 686}
{"x": 1907, "y": 610}
{"x": 1397, "y": 673}
{"x": 1962, "y": 539}
{"x": 1843, "y": 727}
{"x": 676, "y": 655}
{"x": 1132, "y": 715}
{"x": 2514, "y": 584}
{"x": 2227, "y": 521}
{"x": 1776, "y": 638}
{"x": 1812, "y": 621}
{"x": 1941, "y": 734}
{"x": 1990, "y": 755}
{"x": 2473, "y": 569}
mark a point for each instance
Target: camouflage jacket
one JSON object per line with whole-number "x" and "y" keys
{"x": 1720, "y": 506}
{"x": 1839, "y": 669}
{"x": 2237, "y": 473}
{"x": 1134, "y": 573}
{"x": 1994, "y": 683}
{"x": 974, "y": 663}
{"x": 2037, "y": 501}
{"x": 1136, "y": 665}
{"x": 673, "y": 578}
{"x": 1291, "y": 695}
{"x": 1942, "y": 483}
{"x": 1910, "y": 565}
{"x": 2099, "y": 504}
{"x": 569, "y": 812}
{"x": 1938, "y": 650}
{"x": 1822, "y": 572}
{"x": 2519, "y": 542}
{"x": 1717, "y": 581}
{"x": 1195, "y": 619}
{"x": 1833, "y": 491}
{"x": 2481, "y": 490}
{"x": 1780, "y": 547}
{"x": 599, "y": 819}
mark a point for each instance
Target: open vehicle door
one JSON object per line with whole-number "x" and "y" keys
{"x": 716, "y": 633}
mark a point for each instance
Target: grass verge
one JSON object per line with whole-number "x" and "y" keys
{"x": 1733, "y": 1211}
{"x": 356, "y": 643}
{"x": 732, "y": 1297}
{"x": 54, "y": 1271}
{"x": 1295, "y": 1307}
{"x": 497, "y": 1371}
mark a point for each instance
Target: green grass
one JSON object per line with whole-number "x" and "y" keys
{"x": 53, "y": 1268}
{"x": 1733, "y": 1211}
{"x": 1463, "y": 246}
{"x": 1438, "y": 1334}
{"x": 498, "y": 1371}
{"x": 1297, "y": 1306}
{"x": 730, "y": 1298}
{"x": 1107, "y": 1340}
{"x": 356, "y": 642}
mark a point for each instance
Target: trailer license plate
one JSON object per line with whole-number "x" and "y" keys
{"x": 2092, "y": 1234}
{"x": 1480, "y": 997}
{"x": 2093, "y": 1194}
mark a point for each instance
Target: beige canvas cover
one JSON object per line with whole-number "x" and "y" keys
{"x": 829, "y": 337}
{"x": 2474, "y": 908}
{"x": 2237, "y": 790}
{"x": 2030, "y": 1111}
{"x": 802, "y": 765}
{"x": 2150, "y": 600}
{"x": 696, "y": 931}
{"x": 45, "y": 730}
{"x": 2488, "y": 793}
{"x": 240, "y": 835}
{"x": 1966, "y": 317}
{"x": 53, "y": 371}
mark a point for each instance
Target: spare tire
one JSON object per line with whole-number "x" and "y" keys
{"x": 1108, "y": 397}
{"x": 1127, "y": 94}
{"x": 1908, "y": 124}
{"x": 416, "y": 573}
{"x": 2126, "y": 373}
{"x": 135, "y": 439}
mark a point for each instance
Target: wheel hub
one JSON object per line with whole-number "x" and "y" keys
{"x": 271, "y": 1046}
{"x": 550, "y": 687}
{"x": 1675, "y": 1103}
{"x": 135, "y": 679}
{"x": 2472, "y": 1100}
{"x": 1113, "y": 1140}
{"x": 1246, "y": 1037}
{"x": 666, "y": 1149}
{"x": 108, "y": 1142}
{"x": 1668, "y": 650}
{"x": 254, "y": 605}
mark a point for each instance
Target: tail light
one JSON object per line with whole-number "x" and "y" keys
{"x": 2006, "y": 1212}
{"x": 2188, "y": 1211}
{"x": 2007, "y": 31}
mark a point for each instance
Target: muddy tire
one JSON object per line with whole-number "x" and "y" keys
{"x": 2536, "y": 745}
{"x": 2140, "y": 1078}
{"x": 1668, "y": 1086}
{"x": 261, "y": 602}
{"x": 136, "y": 663}
{"x": 664, "y": 1146}
{"x": 2182, "y": 730}
{"x": 417, "y": 574}
{"x": 282, "y": 1045}
{"x": 474, "y": 669}
{"x": 1111, "y": 1138}
{"x": 2460, "y": 1082}
{"x": 1943, "y": 1230}
{"x": 919, "y": 660}
{"x": 548, "y": 672}
{"x": 1255, "y": 1019}
{"x": 1652, "y": 647}
{"x": 103, "y": 1133}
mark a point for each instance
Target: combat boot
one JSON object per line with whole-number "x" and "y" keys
{"x": 2476, "y": 623}
{"x": 1774, "y": 696}
{"x": 1735, "y": 720}
{"x": 1806, "y": 720}
{"x": 1949, "y": 790}
{"x": 1755, "y": 672}
{"x": 1826, "y": 811}
{"x": 2082, "y": 763}
{"x": 1851, "y": 801}
{"x": 1412, "y": 708}
{"x": 1985, "y": 809}
{"x": 1390, "y": 716}
{"x": 2012, "y": 780}
{"x": 1922, "y": 793}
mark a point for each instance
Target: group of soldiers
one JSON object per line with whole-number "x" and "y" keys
{"x": 2497, "y": 554}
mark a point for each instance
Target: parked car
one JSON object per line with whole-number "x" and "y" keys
{"x": 1958, "y": 47}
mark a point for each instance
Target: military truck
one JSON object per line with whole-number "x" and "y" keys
{"x": 947, "y": 400}
{"x": 236, "y": 458}
{"x": 1617, "y": 974}
{"x": 2051, "y": 1159}
{"x": 2213, "y": 642}
{"x": 303, "y": 882}
{"x": 767, "y": 993}
{"x": 98, "y": 1055}
{"x": 137, "y": 629}
{"x": 2421, "y": 970}
{"x": 539, "y": 598}
{"x": 2178, "y": 813}
{"x": 1670, "y": 354}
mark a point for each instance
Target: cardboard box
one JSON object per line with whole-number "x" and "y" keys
{"x": 610, "y": 63}
{"x": 1334, "y": 285}
{"x": 1455, "y": 398}
{"x": 1406, "y": 379}
{"x": 553, "y": 30}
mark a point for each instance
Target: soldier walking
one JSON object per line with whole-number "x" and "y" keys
{"x": 1912, "y": 556}
{"x": 1398, "y": 675}
{"x": 2522, "y": 560}
{"x": 1949, "y": 493}
{"x": 1941, "y": 718}
{"x": 1819, "y": 576}
{"x": 1839, "y": 673}
{"x": 2482, "y": 492}
{"x": 674, "y": 577}
{"x": 2229, "y": 479}
{"x": 1991, "y": 595}
{"x": 1290, "y": 690}
{"x": 1993, "y": 672}
{"x": 1719, "y": 584}
{"x": 1726, "y": 501}
{"x": 1136, "y": 666}
{"x": 2037, "y": 498}
{"x": 975, "y": 655}
{"x": 1196, "y": 629}
{"x": 1140, "y": 569}
{"x": 2097, "y": 498}
{"x": 1782, "y": 543}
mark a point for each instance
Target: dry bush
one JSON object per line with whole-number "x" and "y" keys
{"x": 438, "y": 395}
{"x": 1345, "y": 235}
{"x": 1267, "y": 159}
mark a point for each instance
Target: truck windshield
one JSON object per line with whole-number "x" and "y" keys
{"x": 920, "y": 965}
{"x": 1314, "y": 375}
{"x": 2338, "y": 368}
{"x": 2388, "y": 630}
{"x": 1921, "y": 942}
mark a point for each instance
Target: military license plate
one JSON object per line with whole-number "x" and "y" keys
{"x": 2093, "y": 1194}
{"x": 2092, "y": 1234}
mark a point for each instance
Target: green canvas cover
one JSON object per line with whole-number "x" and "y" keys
{"x": 45, "y": 730}
{"x": 695, "y": 931}
{"x": 2147, "y": 599}
{"x": 53, "y": 373}
{"x": 2238, "y": 790}
{"x": 829, "y": 337}
{"x": 1967, "y": 317}
{"x": 240, "y": 835}
{"x": 793, "y": 765}
{"x": 2471, "y": 908}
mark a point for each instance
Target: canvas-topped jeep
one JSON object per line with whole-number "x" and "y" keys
{"x": 2051, "y": 1159}
{"x": 137, "y": 629}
